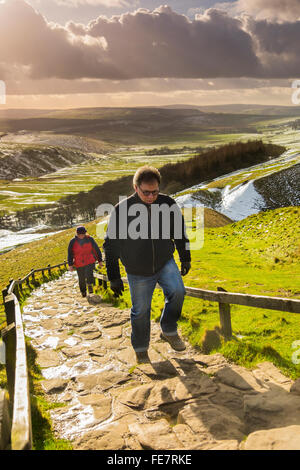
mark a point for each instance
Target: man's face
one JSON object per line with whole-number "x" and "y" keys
{"x": 81, "y": 235}
{"x": 148, "y": 192}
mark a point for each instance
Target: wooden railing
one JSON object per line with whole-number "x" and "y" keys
{"x": 16, "y": 363}
{"x": 225, "y": 298}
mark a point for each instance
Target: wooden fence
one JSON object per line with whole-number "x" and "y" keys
{"x": 225, "y": 298}
{"x": 16, "y": 362}
{"x": 20, "y": 432}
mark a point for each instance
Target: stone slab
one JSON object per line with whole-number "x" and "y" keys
{"x": 285, "y": 438}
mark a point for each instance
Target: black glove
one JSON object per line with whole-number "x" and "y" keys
{"x": 117, "y": 287}
{"x": 185, "y": 267}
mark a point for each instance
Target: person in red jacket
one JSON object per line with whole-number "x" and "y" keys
{"x": 83, "y": 252}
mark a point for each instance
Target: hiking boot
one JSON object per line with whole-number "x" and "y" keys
{"x": 90, "y": 288}
{"x": 142, "y": 356}
{"x": 83, "y": 294}
{"x": 175, "y": 341}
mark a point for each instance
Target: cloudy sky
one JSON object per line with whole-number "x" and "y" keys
{"x": 73, "y": 53}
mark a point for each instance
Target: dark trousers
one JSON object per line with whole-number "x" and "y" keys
{"x": 85, "y": 276}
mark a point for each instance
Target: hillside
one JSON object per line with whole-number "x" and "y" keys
{"x": 21, "y": 160}
{"x": 214, "y": 219}
{"x": 281, "y": 188}
{"x": 271, "y": 237}
{"x": 248, "y": 191}
{"x": 82, "y": 144}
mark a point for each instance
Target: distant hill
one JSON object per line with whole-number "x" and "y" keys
{"x": 77, "y": 142}
{"x": 94, "y": 112}
{"x": 19, "y": 161}
{"x": 132, "y": 126}
{"x": 257, "y": 109}
{"x": 22, "y": 113}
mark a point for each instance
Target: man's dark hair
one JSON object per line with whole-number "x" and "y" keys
{"x": 146, "y": 174}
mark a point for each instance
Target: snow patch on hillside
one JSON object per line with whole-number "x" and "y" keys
{"x": 236, "y": 203}
{"x": 276, "y": 186}
{"x": 10, "y": 239}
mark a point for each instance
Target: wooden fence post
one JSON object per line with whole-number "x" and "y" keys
{"x": 225, "y": 318}
{"x": 5, "y": 422}
{"x": 16, "y": 290}
{"x": 9, "y": 306}
{"x": 4, "y": 294}
{"x": 49, "y": 270}
{"x": 33, "y": 277}
{"x": 19, "y": 288}
{"x": 8, "y": 286}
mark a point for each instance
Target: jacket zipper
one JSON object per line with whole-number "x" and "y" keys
{"x": 152, "y": 242}
{"x": 153, "y": 255}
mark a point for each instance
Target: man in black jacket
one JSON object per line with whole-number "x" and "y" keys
{"x": 145, "y": 244}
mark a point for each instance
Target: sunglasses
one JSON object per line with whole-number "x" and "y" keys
{"x": 147, "y": 193}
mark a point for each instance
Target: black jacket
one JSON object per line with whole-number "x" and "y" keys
{"x": 148, "y": 253}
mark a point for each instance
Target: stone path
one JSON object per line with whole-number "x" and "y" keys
{"x": 182, "y": 400}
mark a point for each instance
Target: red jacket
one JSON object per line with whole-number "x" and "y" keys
{"x": 83, "y": 252}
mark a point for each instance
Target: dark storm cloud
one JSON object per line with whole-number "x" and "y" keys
{"x": 145, "y": 44}
{"x": 163, "y": 43}
{"x": 278, "y": 46}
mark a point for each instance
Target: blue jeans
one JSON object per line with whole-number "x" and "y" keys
{"x": 141, "y": 290}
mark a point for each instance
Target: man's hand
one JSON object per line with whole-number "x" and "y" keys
{"x": 117, "y": 287}
{"x": 71, "y": 268}
{"x": 185, "y": 267}
{"x": 100, "y": 263}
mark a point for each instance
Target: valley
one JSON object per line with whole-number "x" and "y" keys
{"x": 40, "y": 167}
